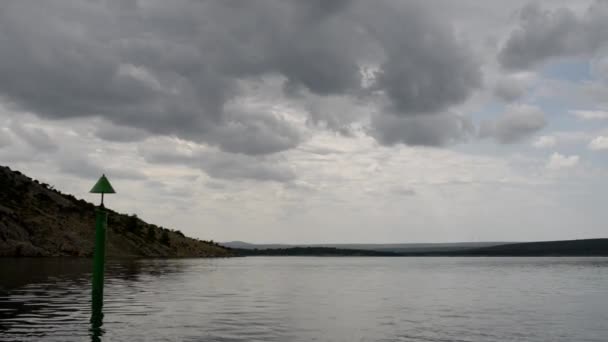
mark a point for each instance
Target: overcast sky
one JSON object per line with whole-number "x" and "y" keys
{"x": 306, "y": 121}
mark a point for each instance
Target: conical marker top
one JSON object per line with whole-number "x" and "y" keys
{"x": 103, "y": 186}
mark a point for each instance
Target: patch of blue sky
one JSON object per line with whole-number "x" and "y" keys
{"x": 558, "y": 110}
{"x": 489, "y": 111}
{"x": 559, "y": 114}
{"x": 573, "y": 70}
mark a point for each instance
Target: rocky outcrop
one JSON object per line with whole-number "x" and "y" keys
{"x": 37, "y": 220}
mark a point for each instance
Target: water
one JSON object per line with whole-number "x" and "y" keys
{"x": 310, "y": 299}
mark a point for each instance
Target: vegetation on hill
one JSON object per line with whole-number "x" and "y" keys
{"x": 312, "y": 251}
{"x": 38, "y": 220}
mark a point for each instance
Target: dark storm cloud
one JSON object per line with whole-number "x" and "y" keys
{"x": 172, "y": 68}
{"x": 516, "y": 124}
{"x": 545, "y": 34}
{"x": 422, "y": 130}
{"x": 426, "y": 68}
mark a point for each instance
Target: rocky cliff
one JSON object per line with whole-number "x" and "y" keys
{"x": 37, "y": 220}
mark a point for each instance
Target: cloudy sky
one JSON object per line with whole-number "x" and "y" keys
{"x": 319, "y": 120}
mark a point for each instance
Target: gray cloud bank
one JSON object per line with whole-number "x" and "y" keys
{"x": 177, "y": 68}
{"x": 422, "y": 130}
{"x": 546, "y": 34}
{"x": 219, "y": 164}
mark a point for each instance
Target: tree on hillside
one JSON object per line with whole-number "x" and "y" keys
{"x": 151, "y": 234}
{"x": 133, "y": 224}
{"x": 164, "y": 238}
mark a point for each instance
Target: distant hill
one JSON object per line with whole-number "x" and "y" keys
{"x": 391, "y": 247}
{"x": 246, "y": 245}
{"x": 587, "y": 247}
{"x": 312, "y": 251}
{"x": 37, "y": 220}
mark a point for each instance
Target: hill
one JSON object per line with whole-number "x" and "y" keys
{"x": 388, "y": 247}
{"x": 38, "y": 220}
{"x": 587, "y": 247}
{"x": 312, "y": 251}
{"x": 584, "y": 247}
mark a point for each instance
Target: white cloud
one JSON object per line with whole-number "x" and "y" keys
{"x": 545, "y": 141}
{"x": 514, "y": 86}
{"x": 565, "y": 138}
{"x": 590, "y": 114}
{"x": 599, "y": 143}
{"x": 559, "y": 161}
{"x": 517, "y": 123}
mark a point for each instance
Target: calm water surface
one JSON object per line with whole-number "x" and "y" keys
{"x": 310, "y": 299}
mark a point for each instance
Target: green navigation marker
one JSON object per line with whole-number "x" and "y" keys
{"x": 102, "y": 187}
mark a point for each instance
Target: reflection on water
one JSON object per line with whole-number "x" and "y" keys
{"x": 306, "y": 299}
{"x": 46, "y": 297}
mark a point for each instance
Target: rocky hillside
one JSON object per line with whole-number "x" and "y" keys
{"x": 37, "y": 220}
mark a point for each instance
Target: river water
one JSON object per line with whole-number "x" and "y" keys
{"x": 309, "y": 299}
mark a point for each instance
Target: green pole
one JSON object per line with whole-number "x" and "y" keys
{"x": 102, "y": 187}
{"x": 101, "y": 222}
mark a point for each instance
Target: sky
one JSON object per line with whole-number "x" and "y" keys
{"x": 318, "y": 121}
